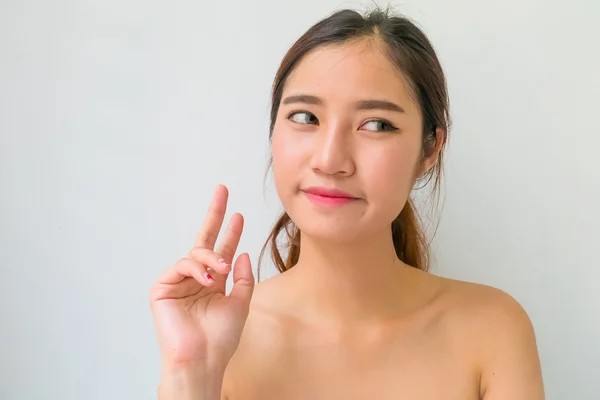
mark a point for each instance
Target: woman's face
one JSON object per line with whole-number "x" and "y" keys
{"x": 346, "y": 122}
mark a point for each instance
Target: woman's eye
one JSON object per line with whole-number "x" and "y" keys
{"x": 379, "y": 125}
{"x": 302, "y": 117}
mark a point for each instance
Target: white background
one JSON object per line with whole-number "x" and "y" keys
{"x": 118, "y": 118}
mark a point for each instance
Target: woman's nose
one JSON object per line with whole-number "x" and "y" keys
{"x": 333, "y": 151}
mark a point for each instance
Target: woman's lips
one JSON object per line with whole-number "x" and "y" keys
{"x": 328, "y": 197}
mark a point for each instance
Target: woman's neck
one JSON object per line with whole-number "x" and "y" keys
{"x": 349, "y": 282}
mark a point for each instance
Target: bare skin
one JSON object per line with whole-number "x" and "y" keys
{"x": 447, "y": 340}
{"x": 349, "y": 320}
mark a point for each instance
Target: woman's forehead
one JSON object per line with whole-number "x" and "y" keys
{"x": 350, "y": 71}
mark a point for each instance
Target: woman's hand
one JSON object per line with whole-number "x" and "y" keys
{"x": 197, "y": 324}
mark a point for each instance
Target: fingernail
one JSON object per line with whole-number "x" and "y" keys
{"x": 224, "y": 263}
{"x": 208, "y": 277}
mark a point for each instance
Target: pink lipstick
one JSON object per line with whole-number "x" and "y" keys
{"x": 323, "y": 196}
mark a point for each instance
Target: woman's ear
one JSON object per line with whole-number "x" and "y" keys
{"x": 432, "y": 154}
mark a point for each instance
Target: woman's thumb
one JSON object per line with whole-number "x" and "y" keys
{"x": 243, "y": 279}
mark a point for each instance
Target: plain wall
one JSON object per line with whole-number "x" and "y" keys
{"x": 118, "y": 118}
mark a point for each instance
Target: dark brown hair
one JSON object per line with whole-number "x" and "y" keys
{"x": 409, "y": 49}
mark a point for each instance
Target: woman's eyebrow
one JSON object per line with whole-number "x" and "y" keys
{"x": 303, "y": 98}
{"x": 360, "y": 105}
{"x": 378, "y": 105}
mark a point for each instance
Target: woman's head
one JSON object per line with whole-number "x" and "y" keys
{"x": 360, "y": 105}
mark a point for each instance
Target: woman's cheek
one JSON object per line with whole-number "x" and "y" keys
{"x": 289, "y": 149}
{"x": 287, "y": 162}
{"x": 389, "y": 174}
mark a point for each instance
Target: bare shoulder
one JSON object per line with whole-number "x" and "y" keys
{"x": 499, "y": 334}
{"x": 482, "y": 314}
{"x": 490, "y": 306}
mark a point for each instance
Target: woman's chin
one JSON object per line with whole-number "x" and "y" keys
{"x": 332, "y": 233}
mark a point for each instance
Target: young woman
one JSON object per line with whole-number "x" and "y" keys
{"x": 359, "y": 115}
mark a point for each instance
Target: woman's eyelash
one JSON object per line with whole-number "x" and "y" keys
{"x": 382, "y": 122}
{"x": 308, "y": 118}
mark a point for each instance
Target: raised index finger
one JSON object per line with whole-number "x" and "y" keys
{"x": 214, "y": 219}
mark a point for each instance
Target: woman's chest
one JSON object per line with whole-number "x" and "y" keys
{"x": 422, "y": 368}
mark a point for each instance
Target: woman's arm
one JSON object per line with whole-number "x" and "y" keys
{"x": 190, "y": 384}
{"x": 511, "y": 364}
